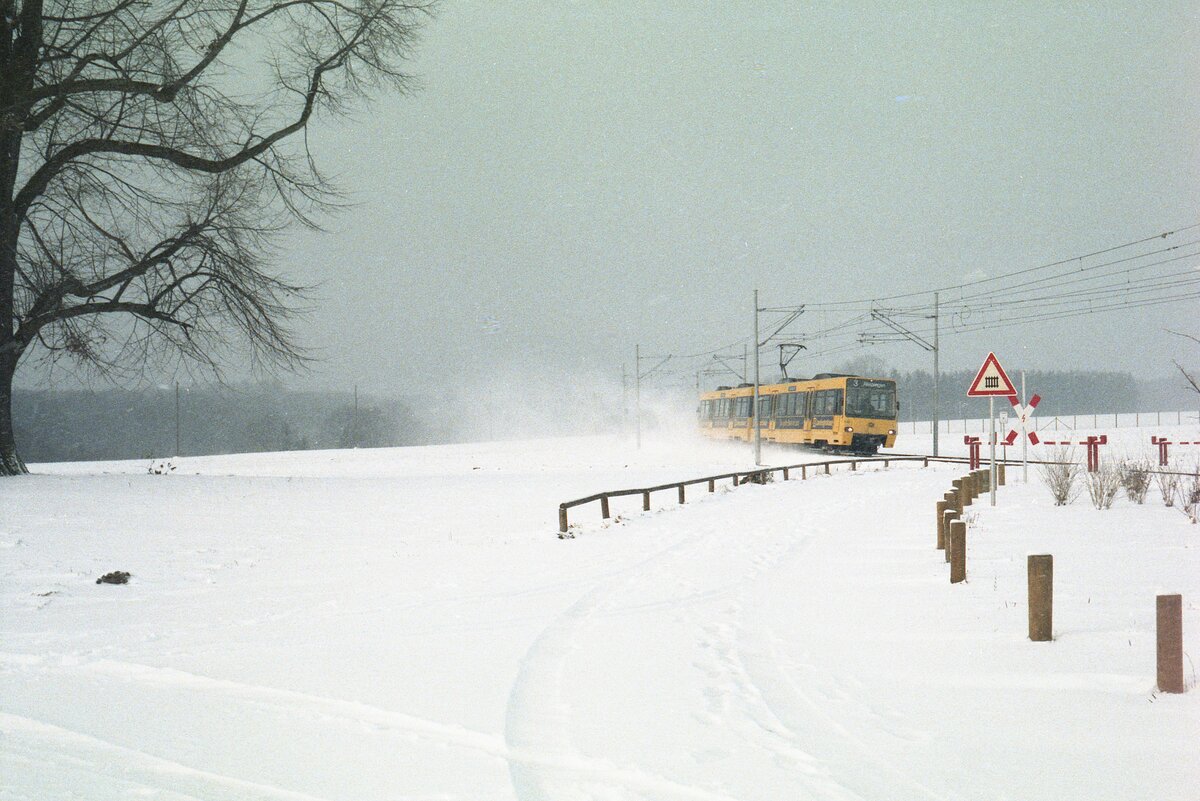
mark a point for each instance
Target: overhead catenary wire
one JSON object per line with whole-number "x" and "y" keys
{"x": 1081, "y": 289}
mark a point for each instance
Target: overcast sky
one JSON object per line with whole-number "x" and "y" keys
{"x": 575, "y": 178}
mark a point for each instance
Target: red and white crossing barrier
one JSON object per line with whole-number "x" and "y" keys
{"x": 1092, "y": 444}
{"x": 1162, "y": 443}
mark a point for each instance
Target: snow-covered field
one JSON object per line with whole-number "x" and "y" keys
{"x": 405, "y": 624}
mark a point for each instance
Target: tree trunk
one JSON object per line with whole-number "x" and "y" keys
{"x": 10, "y": 462}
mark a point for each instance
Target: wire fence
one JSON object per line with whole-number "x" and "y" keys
{"x": 1064, "y": 422}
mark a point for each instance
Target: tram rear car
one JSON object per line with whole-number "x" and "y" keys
{"x": 838, "y": 412}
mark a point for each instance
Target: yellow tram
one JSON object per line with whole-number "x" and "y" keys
{"x": 830, "y": 410}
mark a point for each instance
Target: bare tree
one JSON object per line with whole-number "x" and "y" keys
{"x": 1193, "y": 380}
{"x": 150, "y": 152}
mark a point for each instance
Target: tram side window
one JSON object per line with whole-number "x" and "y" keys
{"x": 827, "y": 402}
{"x": 743, "y": 406}
{"x": 764, "y": 406}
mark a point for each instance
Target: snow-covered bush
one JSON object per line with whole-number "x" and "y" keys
{"x": 1135, "y": 478}
{"x": 1060, "y": 475}
{"x": 1168, "y": 486}
{"x": 1189, "y": 493}
{"x": 1103, "y": 484}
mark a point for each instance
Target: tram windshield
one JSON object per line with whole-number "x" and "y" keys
{"x": 866, "y": 398}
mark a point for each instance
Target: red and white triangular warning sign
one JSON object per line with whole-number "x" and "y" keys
{"x": 991, "y": 380}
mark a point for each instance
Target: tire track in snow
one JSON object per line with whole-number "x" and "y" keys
{"x": 309, "y": 706}
{"x": 796, "y": 703}
{"x": 538, "y": 719}
{"x": 538, "y": 716}
{"x": 60, "y": 746}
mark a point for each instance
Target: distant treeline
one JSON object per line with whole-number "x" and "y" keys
{"x": 1066, "y": 392}
{"x": 57, "y": 425}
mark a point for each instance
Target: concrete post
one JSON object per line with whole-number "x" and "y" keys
{"x": 951, "y": 499}
{"x": 1170, "y": 643}
{"x": 958, "y": 551}
{"x": 1040, "y": 569}
{"x": 1000, "y": 474}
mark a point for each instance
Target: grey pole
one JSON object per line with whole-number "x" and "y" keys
{"x": 936, "y": 326}
{"x": 992, "y": 446}
{"x": 637, "y": 393}
{"x": 754, "y": 417}
{"x": 1024, "y": 435}
{"x": 176, "y": 418}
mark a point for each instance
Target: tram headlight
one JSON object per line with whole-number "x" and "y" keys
{"x": 849, "y": 429}
{"x": 891, "y": 431}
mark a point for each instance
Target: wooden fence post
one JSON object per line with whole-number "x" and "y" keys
{"x": 941, "y": 535}
{"x": 1170, "y": 643}
{"x": 958, "y": 551}
{"x": 645, "y": 501}
{"x": 803, "y": 472}
{"x": 951, "y": 499}
{"x": 712, "y": 485}
{"x": 960, "y": 493}
{"x": 604, "y": 506}
{"x": 1040, "y": 570}
{"x": 827, "y": 468}
{"x": 950, "y": 517}
{"x": 1000, "y": 474}
{"x": 562, "y": 519}
{"x": 785, "y": 474}
{"x": 681, "y": 493}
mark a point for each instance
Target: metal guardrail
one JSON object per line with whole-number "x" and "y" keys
{"x": 757, "y": 475}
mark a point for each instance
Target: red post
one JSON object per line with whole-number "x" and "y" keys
{"x": 973, "y": 442}
{"x": 1162, "y": 443}
{"x": 1093, "y": 444}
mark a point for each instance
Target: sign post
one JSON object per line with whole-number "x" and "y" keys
{"x": 990, "y": 381}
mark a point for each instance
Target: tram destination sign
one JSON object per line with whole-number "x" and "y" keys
{"x": 991, "y": 380}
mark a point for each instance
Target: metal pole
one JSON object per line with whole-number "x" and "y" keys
{"x": 1024, "y": 433}
{"x": 992, "y": 446}
{"x": 754, "y": 418}
{"x": 936, "y": 326}
{"x": 637, "y": 393}
{"x": 176, "y": 418}
{"x": 624, "y": 399}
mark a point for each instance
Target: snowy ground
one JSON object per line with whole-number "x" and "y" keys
{"x": 404, "y": 624}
